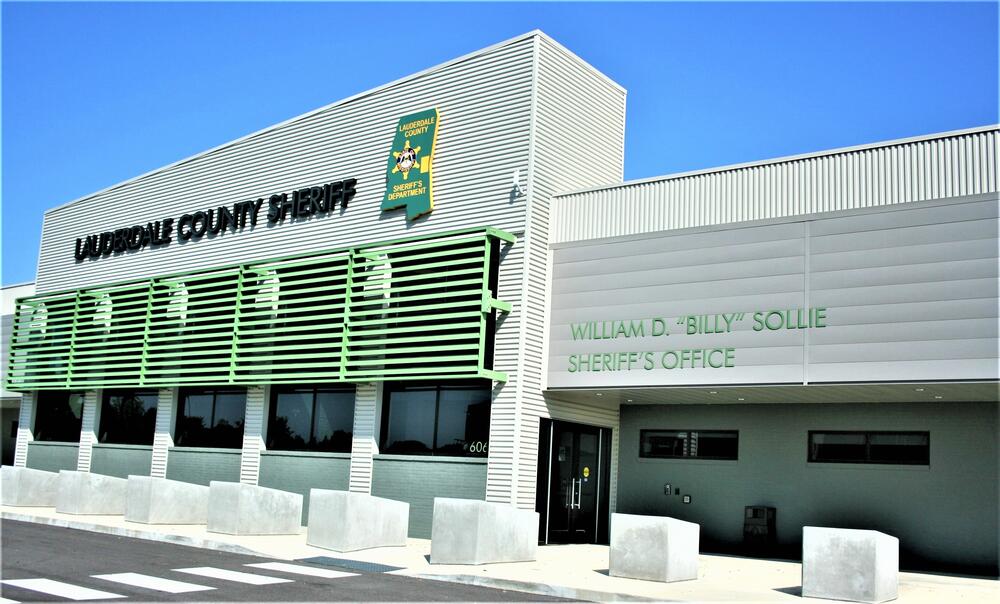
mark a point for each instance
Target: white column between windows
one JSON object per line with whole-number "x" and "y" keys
{"x": 163, "y": 435}
{"x": 89, "y": 426}
{"x": 364, "y": 445}
{"x": 25, "y": 428}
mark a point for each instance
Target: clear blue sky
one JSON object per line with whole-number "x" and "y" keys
{"x": 94, "y": 94}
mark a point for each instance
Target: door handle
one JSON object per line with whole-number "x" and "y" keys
{"x": 578, "y": 493}
{"x": 569, "y": 495}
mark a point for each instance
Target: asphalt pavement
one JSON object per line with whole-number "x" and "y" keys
{"x": 54, "y": 564}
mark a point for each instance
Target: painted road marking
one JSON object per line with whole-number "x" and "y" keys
{"x": 302, "y": 570}
{"x": 62, "y": 590}
{"x": 6, "y": 601}
{"x": 154, "y": 583}
{"x": 232, "y": 575}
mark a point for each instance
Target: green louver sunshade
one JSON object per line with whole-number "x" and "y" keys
{"x": 418, "y": 308}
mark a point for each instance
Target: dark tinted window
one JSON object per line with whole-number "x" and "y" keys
{"x": 699, "y": 444}
{"x": 58, "y": 416}
{"x": 311, "y": 419}
{"x": 128, "y": 417}
{"x": 436, "y": 420}
{"x": 211, "y": 418}
{"x": 908, "y": 448}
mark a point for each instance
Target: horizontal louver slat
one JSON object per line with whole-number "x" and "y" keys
{"x": 417, "y": 308}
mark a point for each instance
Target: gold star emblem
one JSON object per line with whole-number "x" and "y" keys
{"x": 406, "y": 159}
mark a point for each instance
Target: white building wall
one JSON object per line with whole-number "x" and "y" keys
{"x": 949, "y": 164}
{"x": 484, "y": 101}
{"x": 910, "y": 293}
{"x": 576, "y": 107}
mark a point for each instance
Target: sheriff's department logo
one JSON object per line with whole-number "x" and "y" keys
{"x": 406, "y": 159}
{"x": 409, "y": 175}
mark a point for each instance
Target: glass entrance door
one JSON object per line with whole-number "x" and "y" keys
{"x": 576, "y": 489}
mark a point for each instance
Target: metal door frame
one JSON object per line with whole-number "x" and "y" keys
{"x": 600, "y": 465}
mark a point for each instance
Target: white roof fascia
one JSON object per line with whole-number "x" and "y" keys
{"x": 786, "y": 159}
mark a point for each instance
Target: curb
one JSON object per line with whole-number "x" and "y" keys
{"x": 541, "y": 589}
{"x": 147, "y": 535}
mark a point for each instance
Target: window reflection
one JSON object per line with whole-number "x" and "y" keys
{"x": 437, "y": 420}
{"x": 211, "y": 418}
{"x": 128, "y": 417}
{"x": 311, "y": 419}
{"x": 58, "y": 416}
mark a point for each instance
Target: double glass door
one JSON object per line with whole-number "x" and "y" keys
{"x": 573, "y": 472}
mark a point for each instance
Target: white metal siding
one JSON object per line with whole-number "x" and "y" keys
{"x": 575, "y": 108}
{"x": 940, "y": 166}
{"x": 484, "y": 104}
{"x": 163, "y": 435}
{"x": 363, "y": 445}
{"x": 911, "y": 293}
{"x": 25, "y": 428}
{"x": 253, "y": 434}
{"x": 88, "y": 429}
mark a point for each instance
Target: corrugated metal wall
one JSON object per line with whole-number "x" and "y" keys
{"x": 363, "y": 443}
{"x": 945, "y": 165}
{"x": 253, "y": 433}
{"x": 484, "y": 102}
{"x": 163, "y": 431}
{"x": 576, "y": 107}
{"x": 88, "y": 429}
{"x": 520, "y": 106}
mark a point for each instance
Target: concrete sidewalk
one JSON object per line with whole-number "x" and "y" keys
{"x": 570, "y": 571}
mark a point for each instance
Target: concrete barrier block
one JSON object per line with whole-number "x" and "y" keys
{"x": 160, "y": 501}
{"x": 849, "y": 564}
{"x": 87, "y": 493}
{"x": 345, "y": 521}
{"x": 243, "y": 509}
{"x": 467, "y": 531}
{"x": 655, "y": 548}
{"x": 28, "y": 487}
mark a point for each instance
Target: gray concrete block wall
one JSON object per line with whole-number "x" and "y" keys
{"x": 297, "y": 472}
{"x": 418, "y": 480}
{"x": 121, "y": 460}
{"x": 201, "y": 466}
{"x": 945, "y": 514}
{"x": 52, "y": 456}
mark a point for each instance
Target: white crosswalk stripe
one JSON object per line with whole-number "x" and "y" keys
{"x": 154, "y": 583}
{"x": 302, "y": 570}
{"x": 60, "y": 589}
{"x": 6, "y": 601}
{"x": 232, "y": 575}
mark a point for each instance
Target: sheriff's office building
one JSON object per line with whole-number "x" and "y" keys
{"x": 442, "y": 288}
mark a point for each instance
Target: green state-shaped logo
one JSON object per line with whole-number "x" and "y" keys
{"x": 409, "y": 174}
